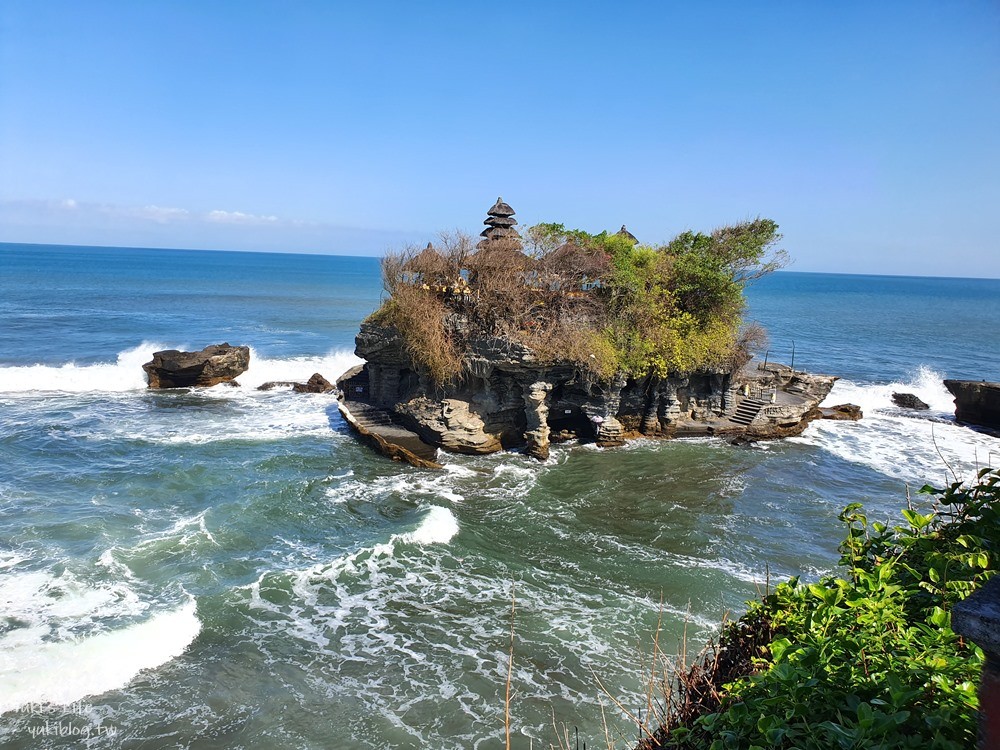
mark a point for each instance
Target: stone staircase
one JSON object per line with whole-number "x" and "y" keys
{"x": 376, "y": 428}
{"x": 369, "y": 417}
{"x": 746, "y": 411}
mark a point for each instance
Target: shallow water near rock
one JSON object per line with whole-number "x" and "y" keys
{"x": 228, "y": 568}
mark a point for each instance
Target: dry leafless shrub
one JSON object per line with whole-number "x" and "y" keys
{"x": 420, "y": 317}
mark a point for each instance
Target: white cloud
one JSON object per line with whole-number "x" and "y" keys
{"x": 156, "y": 214}
{"x": 75, "y": 222}
{"x": 160, "y": 214}
{"x": 238, "y": 217}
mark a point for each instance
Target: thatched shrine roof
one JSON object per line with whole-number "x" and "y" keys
{"x": 570, "y": 258}
{"x": 500, "y": 209}
{"x": 500, "y": 227}
{"x": 623, "y": 232}
{"x": 498, "y": 257}
{"x": 500, "y": 233}
{"x": 427, "y": 261}
{"x": 500, "y": 221}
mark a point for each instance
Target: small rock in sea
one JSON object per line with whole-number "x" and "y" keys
{"x": 272, "y": 384}
{"x": 215, "y": 364}
{"x": 908, "y": 401}
{"x": 316, "y": 384}
{"x": 843, "y": 412}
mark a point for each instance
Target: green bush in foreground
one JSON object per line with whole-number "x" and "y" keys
{"x": 869, "y": 659}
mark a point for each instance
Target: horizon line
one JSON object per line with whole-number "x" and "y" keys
{"x": 4, "y": 243}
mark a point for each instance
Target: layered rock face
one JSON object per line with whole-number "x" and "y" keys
{"x": 976, "y": 402}
{"x": 219, "y": 363}
{"x": 507, "y": 399}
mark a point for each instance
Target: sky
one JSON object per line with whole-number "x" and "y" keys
{"x": 869, "y": 131}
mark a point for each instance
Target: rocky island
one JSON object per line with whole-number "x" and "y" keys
{"x": 521, "y": 341}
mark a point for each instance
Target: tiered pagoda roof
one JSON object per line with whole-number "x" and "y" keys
{"x": 500, "y": 224}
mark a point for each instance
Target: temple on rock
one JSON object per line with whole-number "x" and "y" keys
{"x": 499, "y": 348}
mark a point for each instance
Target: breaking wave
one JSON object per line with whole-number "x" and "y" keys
{"x": 65, "y": 639}
{"x": 126, "y": 374}
{"x": 915, "y": 446}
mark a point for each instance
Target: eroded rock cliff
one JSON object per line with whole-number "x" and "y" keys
{"x": 507, "y": 398}
{"x": 976, "y": 402}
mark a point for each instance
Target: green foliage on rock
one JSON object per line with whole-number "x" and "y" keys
{"x": 677, "y": 307}
{"x": 599, "y": 301}
{"x": 868, "y": 659}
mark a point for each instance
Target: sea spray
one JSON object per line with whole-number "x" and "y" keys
{"x": 438, "y": 527}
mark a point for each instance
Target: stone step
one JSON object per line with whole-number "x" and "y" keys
{"x": 746, "y": 411}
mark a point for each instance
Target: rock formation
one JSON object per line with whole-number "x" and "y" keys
{"x": 843, "y": 412}
{"x": 507, "y": 399}
{"x": 908, "y": 401}
{"x": 976, "y": 402}
{"x": 316, "y": 384}
{"x": 215, "y": 364}
{"x": 499, "y": 348}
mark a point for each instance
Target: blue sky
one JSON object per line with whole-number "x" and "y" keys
{"x": 869, "y": 131}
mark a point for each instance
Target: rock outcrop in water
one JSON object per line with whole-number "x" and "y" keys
{"x": 843, "y": 413}
{"x": 507, "y": 399}
{"x": 976, "y": 402}
{"x": 316, "y": 384}
{"x": 219, "y": 363}
{"x": 909, "y": 401}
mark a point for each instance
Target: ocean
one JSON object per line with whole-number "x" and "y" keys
{"x": 228, "y": 568}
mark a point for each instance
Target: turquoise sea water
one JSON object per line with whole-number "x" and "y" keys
{"x": 229, "y": 569}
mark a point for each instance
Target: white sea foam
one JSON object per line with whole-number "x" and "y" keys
{"x": 67, "y": 640}
{"x": 263, "y": 369}
{"x": 126, "y": 374}
{"x": 63, "y": 672}
{"x": 392, "y": 626}
{"x": 409, "y": 485}
{"x": 912, "y": 446}
{"x": 438, "y": 527}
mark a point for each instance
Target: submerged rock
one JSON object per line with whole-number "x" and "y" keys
{"x": 215, "y": 364}
{"x": 909, "y": 401}
{"x": 976, "y": 402}
{"x": 270, "y": 385}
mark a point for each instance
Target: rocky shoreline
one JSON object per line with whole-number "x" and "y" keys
{"x": 508, "y": 400}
